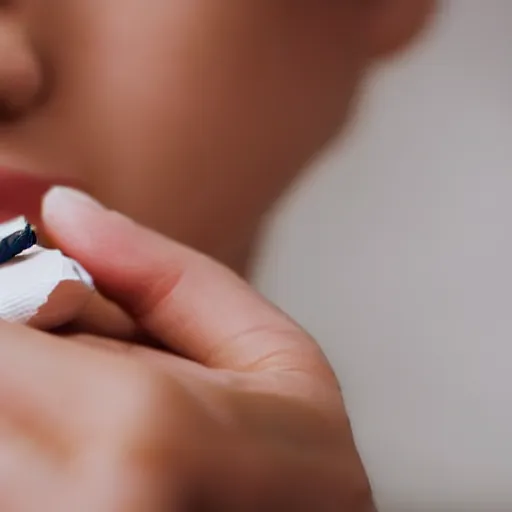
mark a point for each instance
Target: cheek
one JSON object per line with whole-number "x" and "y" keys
{"x": 125, "y": 92}
{"x": 204, "y": 99}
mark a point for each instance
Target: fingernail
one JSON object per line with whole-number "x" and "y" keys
{"x": 60, "y": 201}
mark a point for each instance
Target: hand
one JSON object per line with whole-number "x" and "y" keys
{"x": 242, "y": 412}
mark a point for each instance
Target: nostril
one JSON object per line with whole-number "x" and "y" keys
{"x": 6, "y": 3}
{"x": 8, "y": 112}
{"x": 21, "y": 75}
{"x": 19, "y": 81}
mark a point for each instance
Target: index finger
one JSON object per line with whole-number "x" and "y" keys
{"x": 194, "y": 305}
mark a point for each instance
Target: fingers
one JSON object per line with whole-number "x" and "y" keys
{"x": 42, "y": 380}
{"x": 193, "y": 304}
{"x": 102, "y": 317}
{"x": 54, "y": 390}
{"x": 69, "y": 411}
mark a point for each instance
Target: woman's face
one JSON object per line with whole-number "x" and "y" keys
{"x": 188, "y": 115}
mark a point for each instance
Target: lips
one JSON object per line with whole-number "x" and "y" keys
{"x": 21, "y": 194}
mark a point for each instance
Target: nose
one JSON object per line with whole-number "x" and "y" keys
{"x": 21, "y": 77}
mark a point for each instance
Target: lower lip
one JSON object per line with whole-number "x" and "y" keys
{"x": 21, "y": 194}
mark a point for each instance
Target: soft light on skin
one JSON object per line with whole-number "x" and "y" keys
{"x": 190, "y": 116}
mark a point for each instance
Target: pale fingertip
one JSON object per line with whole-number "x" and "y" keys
{"x": 65, "y": 202}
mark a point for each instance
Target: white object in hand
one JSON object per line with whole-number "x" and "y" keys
{"x": 41, "y": 287}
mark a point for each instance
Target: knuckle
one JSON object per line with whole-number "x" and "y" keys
{"x": 135, "y": 437}
{"x": 139, "y": 399}
{"x": 127, "y": 407}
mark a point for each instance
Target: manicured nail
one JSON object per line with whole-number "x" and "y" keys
{"x": 64, "y": 201}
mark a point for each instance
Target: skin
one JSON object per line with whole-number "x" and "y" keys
{"x": 177, "y": 112}
{"x": 191, "y": 118}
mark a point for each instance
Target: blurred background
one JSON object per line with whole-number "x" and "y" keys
{"x": 396, "y": 251}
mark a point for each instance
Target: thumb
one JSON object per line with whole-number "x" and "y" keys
{"x": 194, "y": 305}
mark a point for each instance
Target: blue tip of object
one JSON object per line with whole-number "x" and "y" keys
{"x": 16, "y": 243}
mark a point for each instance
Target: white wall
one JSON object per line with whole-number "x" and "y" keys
{"x": 397, "y": 255}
